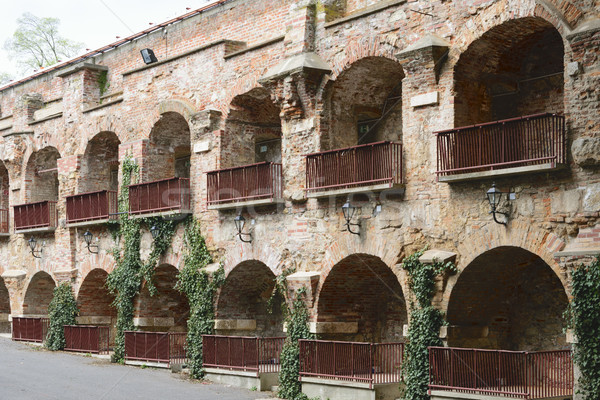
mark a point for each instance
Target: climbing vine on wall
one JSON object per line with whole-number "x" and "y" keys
{"x": 425, "y": 323}
{"x": 297, "y": 328}
{"x": 200, "y": 287}
{"x": 125, "y": 281}
{"x": 583, "y": 316}
{"x": 62, "y": 311}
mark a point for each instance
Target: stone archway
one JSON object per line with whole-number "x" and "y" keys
{"x": 100, "y": 163}
{"x": 169, "y": 148}
{"x": 4, "y": 307}
{"x": 94, "y": 300}
{"x": 166, "y": 310}
{"x": 243, "y": 307}
{"x": 39, "y": 294}
{"x": 507, "y": 298}
{"x": 361, "y": 299}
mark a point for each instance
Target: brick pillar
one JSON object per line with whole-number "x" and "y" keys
{"x": 23, "y": 111}
{"x": 300, "y": 35}
{"x": 64, "y": 239}
{"x": 422, "y": 113}
{"x": 14, "y": 279}
{"x": 205, "y": 135}
{"x": 137, "y": 150}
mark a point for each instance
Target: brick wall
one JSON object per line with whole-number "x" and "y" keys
{"x": 42, "y": 185}
{"x": 100, "y": 163}
{"x": 39, "y": 294}
{"x": 4, "y": 298}
{"x": 93, "y": 298}
{"x": 169, "y": 140}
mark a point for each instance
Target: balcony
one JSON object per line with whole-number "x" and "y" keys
{"x": 475, "y": 373}
{"x": 365, "y": 168}
{"x": 91, "y": 208}
{"x": 4, "y": 222}
{"x": 165, "y": 197}
{"x": 534, "y": 143}
{"x": 36, "y": 217}
{"x": 248, "y": 185}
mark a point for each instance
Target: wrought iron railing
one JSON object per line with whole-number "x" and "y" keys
{"x": 372, "y": 363}
{"x": 364, "y": 165}
{"x": 517, "y": 142}
{"x": 165, "y": 195}
{"x": 30, "y": 329}
{"x": 242, "y": 353}
{"x": 515, "y": 374}
{"x": 92, "y": 206}
{"x": 42, "y": 214}
{"x": 87, "y": 339}
{"x": 160, "y": 347}
{"x": 249, "y": 182}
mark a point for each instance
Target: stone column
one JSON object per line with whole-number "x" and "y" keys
{"x": 15, "y": 280}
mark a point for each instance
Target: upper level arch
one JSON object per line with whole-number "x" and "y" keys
{"x": 41, "y": 175}
{"x": 169, "y": 148}
{"x": 100, "y": 163}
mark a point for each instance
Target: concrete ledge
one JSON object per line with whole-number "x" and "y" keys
{"x": 244, "y": 379}
{"x": 93, "y": 320}
{"x": 334, "y": 389}
{"x": 365, "y": 12}
{"x": 89, "y": 223}
{"x": 470, "y": 176}
{"x": 33, "y": 230}
{"x": 333, "y": 327}
{"x": 357, "y": 189}
{"x": 151, "y": 321}
{"x": 248, "y": 203}
{"x": 577, "y": 253}
{"x": 99, "y": 106}
{"x": 147, "y": 364}
{"x": 166, "y": 214}
{"x": 449, "y": 395}
{"x": 49, "y": 117}
{"x": 235, "y": 324}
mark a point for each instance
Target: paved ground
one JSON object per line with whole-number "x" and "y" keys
{"x": 28, "y": 372}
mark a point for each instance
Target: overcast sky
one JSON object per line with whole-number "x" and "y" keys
{"x": 93, "y": 22}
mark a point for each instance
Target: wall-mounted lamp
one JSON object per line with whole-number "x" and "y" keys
{"x": 87, "y": 236}
{"x": 32, "y": 245}
{"x": 494, "y": 197}
{"x": 154, "y": 231}
{"x": 148, "y": 56}
{"x": 349, "y": 210}
{"x": 240, "y": 221}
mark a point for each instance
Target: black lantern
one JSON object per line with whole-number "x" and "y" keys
{"x": 240, "y": 221}
{"x": 32, "y": 245}
{"x": 494, "y": 197}
{"x": 87, "y": 236}
{"x": 349, "y": 210}
{"x": 154, "y": 231}
{"x": 148, "y": 56}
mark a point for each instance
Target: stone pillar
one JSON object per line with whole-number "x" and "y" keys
{"x": 300, "y": 36}
{"x": 137, "y": 150}
{"x": 15, "y": 280}
{"x": 24, "y": 109}
{"x": 64, "y": 240}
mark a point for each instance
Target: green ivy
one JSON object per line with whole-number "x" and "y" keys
{"x": 583, "y": 317}
{"x": 200, "y": 289}
{"x": 425, "y": 323}
{"x": 297, "y": 328}
{"x": 62, "y": 311}
{"x": 125, "y": 281}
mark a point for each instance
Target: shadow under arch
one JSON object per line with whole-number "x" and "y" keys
{"x": 362, "y": 289}
{"x": 507, "y": 298}
{"x": 39, "y": 294}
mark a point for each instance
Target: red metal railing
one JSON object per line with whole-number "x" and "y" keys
{"x": 248, "y": 182}
{"x": 367, "y": 164}
{"x": 516, "y": 374}
{"x": 87, "y": 339}
{"x": 165, "y": 195}
{"x": 373, "y": 363}
{"x": 91, "y": 206}
{"x": 161, "y": 347}
{"x": 29, "y": 329}
{"x": 36, "y": 215}
{"x": 3, "y": 220}
{"x": 524, "y": 141}
{"x": 242, "y": 353}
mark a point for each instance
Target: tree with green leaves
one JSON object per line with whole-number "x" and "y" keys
{"x": 37, "y": 43}
{"x": 5, "y": 78}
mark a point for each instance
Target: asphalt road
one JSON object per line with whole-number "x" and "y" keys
{"x": 28, "y": 372}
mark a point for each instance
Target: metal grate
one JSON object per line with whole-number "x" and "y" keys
{"x": 165, "y": 195}
{"x": 248, "y": 182}
{"x": 42, "y": 214}
{"x": 29, "y": 329}
{"x": 161, "y": 347}
{"x": 91, "y": 206}
{"x": 87, "y": 339}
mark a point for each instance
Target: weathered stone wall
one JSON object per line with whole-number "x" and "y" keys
{"x": 204, "y": 99}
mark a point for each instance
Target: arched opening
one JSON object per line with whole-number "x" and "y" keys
{"x": 366, "y": 104}
{"x": 166, "y": 310}
{"x": 4, "y": 186}
{"x": 4, "y": 308}
{"x": 41, "y": 180}
{"x": 39, "y": 295}
{"x": 100, "y": 164}
{"x": 253, "y": 130}
{"x": 507, "y": 298}
{"x": 94, "y": 300}
{"x": 169, "y": 148}
{"x": 243, "y": 303}
{"x": 363, "y": 291}
{"x": 514, "y": 69}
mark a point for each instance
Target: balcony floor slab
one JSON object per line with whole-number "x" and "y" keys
{"x": 89, "y": 223}
{"x": 35, "y": 230}
{"x": 248, "y": 203}
{"x": 471, "y": 176}
{"x": 399, "y": 188}
{"x": 165, "y": 214}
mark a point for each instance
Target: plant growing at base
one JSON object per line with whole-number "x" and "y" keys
{"x": 425, "y": 323}
{"x": 583, "y": 316}
{"x": 200, "y": 287}
{"x": 62, "y": 311}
